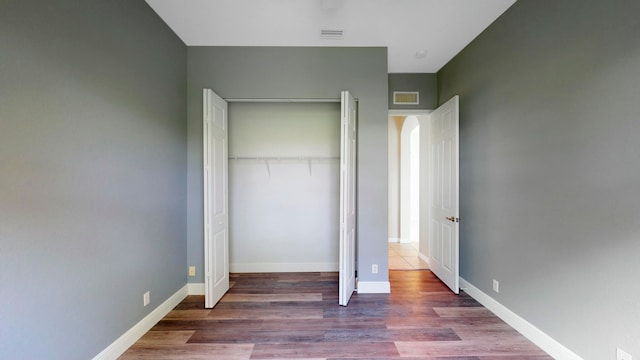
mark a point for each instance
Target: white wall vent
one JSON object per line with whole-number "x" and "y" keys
{"x": 406, "y": 98}
{"x": 331, "y": 34}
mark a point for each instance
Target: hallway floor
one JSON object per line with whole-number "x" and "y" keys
{"x": 404, "y": 256}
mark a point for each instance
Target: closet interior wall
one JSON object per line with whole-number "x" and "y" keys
{"x": 284, "y": 186}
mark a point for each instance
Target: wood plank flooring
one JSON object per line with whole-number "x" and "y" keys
{"x": 297, "y": 316}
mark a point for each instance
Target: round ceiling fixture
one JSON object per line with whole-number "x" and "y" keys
{"x": 421, "y": 54}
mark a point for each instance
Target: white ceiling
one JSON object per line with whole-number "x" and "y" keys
{"x": 440, "y": 27}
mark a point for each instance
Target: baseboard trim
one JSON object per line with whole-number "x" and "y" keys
{"x": 537, "y": 336}
{"x": 425, "y": 258}
{"x": 132, "y": 335}
{"x": 374, "y": 287}
{"x": 282, "y": 267}
{"x": 405, "y": 240}
{"x": 195, "y": 288}
{"x": 394, "y": 240}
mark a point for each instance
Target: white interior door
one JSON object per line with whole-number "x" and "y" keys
{"x": 444, "y": 228}
{"x": 347, "y": 199}
{"x": 216, "y": 208}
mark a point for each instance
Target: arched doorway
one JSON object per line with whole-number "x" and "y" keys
{"x": 407, "y": 243}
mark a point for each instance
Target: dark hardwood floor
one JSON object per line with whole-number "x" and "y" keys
{"x": 297, "y": 316}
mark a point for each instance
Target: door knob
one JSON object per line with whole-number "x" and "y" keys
{"x": 452, "y": 219}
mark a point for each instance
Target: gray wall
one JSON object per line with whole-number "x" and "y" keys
{"x": 425, "y": 84}
{"x": 271, "y": 72}
{"x": 550, "y": 168}
{"x": 394, "y": 129}
{"x": 92, "y": 173}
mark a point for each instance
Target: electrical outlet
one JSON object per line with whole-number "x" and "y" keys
{"x": 374, "y": 268}
{"x": 496, "y": 285}
{"x": 146, "y": 298}
{"x": 622, "y": 355}
{"x": 192, "y": 271}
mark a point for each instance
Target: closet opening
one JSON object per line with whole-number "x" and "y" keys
{"x": 280, "y": 220}
{"x": 284, "y": 186}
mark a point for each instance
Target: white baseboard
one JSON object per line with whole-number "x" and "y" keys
{"x": 282, "y": 267}
{"x": 400, "y": 240}
{"x": 132, "y": 335}
{"x": 425, "y": 258}
{"x": 537, "y": 336}
{"x": 374, "y": 287}
{"x": 195, "y": 288}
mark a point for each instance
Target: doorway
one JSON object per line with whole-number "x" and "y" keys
{"x": 408, "y": 191}
{"x": 216, "y": 197}
{"x": 439, "y": 239}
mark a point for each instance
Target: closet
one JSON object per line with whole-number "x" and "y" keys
{"x": 284, "y": 186}
{"x": 279, "y": 189}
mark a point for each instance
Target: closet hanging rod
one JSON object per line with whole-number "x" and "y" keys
{"x": 278, "y": 100}
{"x": 276, "y": 158}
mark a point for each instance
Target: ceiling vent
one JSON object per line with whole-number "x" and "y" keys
{"x": 406, "y": 98}
{"x": 329, "y": 34}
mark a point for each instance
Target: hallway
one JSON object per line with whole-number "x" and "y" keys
{"x": 404, "y": 256}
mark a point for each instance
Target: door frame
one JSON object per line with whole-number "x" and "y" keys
{"x": 207, "y": 265}
{"x": 425, "y": 181}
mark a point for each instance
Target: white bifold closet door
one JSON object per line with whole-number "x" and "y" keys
{"x": 347, "y": 278}
{"x": 216, "y": 207}
{"x": 444, "y": 225}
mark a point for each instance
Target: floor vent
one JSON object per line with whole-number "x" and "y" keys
{"x": 329, "y": 34}
{"x": 406, "y": 98}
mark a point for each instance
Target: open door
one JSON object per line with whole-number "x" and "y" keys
{"x": 444, "y": 223}
{"x": 347, "y": 199}
{"x": 216, "y": 214}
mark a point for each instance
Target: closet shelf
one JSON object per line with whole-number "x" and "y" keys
{"x": 266, "y": 159}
